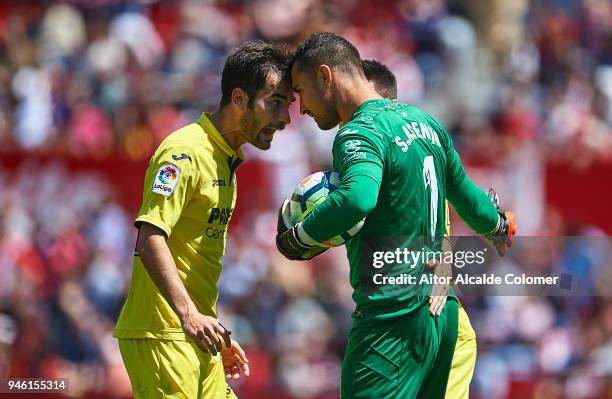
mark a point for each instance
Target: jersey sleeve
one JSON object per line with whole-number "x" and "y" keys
{"x": 361, "y": 145}
{"x": 358, "y": 156}
{"x": 454, "y": 168}
{"x": 169, "y": 183}
{"x": 473, "y": 206}
{"x": 471, "y": 203}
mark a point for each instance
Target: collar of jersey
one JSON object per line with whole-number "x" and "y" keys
{"x": 367, "y": 103}
{"x": 214, "y": 134}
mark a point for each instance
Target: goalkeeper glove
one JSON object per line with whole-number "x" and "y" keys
{"x": 503, "y": 236}
{"x": 288, "y": 241}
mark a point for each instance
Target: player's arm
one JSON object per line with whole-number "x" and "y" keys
{"x": 352, "y": 201}
{"x": 358, "y": 157}
{"x": 473, "y": 206}
{"x": 155, "y": 255}
{"x": 480, "y": 212}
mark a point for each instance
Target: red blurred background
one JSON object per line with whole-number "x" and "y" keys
{"x": 88, "y": 89}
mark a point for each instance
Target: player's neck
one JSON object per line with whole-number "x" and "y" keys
{"x": 227, "y": 125}
{"x": 351, "y": 94}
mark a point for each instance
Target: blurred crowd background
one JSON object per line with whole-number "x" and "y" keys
{"x": 89, "y": 88}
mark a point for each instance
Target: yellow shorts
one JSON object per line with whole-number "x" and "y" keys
{"x": 464, "y": 360}
{"x": 160, "y": 369}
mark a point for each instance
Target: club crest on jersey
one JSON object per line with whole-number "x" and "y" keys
{"x": 166, "y": 179}
{"x": 352, "y": 145}
{"x": 351, "y": 150}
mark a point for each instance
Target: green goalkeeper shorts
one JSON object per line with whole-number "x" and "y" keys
{"x": 405, "y": 357}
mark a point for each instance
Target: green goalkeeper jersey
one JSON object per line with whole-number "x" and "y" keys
{"x": 397, "y": 166}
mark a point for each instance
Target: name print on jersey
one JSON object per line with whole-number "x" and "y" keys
{"x": 417, "y": 130}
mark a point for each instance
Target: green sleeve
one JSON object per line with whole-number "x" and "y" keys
{"x": 455, "y": 173}
{"x": 473, "y": 206}
{"x": 358, "y": 154}
{"x": 471, "y": 203}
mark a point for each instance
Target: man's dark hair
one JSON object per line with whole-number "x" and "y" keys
{"x": 248, "y": 66}
{"x": 329, "y": 49}
{"x": 381, "y": 76}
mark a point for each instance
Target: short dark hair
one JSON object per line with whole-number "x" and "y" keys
{"x": 381, "y": 76}
{"x": 248, "y": 65}
{"x": 330, "y": 49}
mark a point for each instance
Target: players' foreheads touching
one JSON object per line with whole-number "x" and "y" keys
{"x": 329, "y": 49}
{"x": 248, "y": 66}
{"x": 381, "y": 77}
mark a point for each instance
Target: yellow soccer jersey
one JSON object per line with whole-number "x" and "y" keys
{"x": 189, "y": 193}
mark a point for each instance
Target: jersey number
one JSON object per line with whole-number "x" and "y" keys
{"x": 429, "y": 178}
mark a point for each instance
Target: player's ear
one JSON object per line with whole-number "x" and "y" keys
{"x": 325, "y": 75}
{"x": 240, "y": 98}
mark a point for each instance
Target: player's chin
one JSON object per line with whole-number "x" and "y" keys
{"x": 264, "y": 139}
{"x": 263, "y": 143}
{"x": 326, "y": 123}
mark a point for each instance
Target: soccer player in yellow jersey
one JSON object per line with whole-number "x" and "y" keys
{"x": 464, "y": 356}
{"x": 170, "y": 338}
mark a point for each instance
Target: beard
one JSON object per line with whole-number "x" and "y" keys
{"x": 327, "y": 122}
{"x": 259, "y": 138}
{"x": 328, "y": 118}
{"x": 248, "y": 123}
{"x": 263, "y": 139}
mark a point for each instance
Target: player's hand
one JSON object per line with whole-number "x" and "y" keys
{"x": 208, "y": 334}
{"x": 235, "y": 362}
{"x": 292, "y": 248}
{"x": 436, "y": 303}
{"x": 503, "y": 236}
{"x": 443, "y": 271}
{"x": 287, "y": 240}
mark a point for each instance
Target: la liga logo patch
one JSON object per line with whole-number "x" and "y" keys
{"x": 165, "y": 180}
{"x": 167, "y": 174}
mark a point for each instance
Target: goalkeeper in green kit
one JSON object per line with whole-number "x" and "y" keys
{"x": 397, "y": 164}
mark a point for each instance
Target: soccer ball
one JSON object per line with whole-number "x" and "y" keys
{"x": 311, "y": 192}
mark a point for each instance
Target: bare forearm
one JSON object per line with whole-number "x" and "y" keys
{"x": 158, "y": 262}
{"x": 205, "y": 331}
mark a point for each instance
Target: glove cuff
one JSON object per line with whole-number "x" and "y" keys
{"x": 500, "y": 228}
{"x": 285, "y": 214}
{"x": 304, "y": 238}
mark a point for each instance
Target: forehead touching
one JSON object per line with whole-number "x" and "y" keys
{"x": 299, "y": 77}
{"x": 275, "y": 86}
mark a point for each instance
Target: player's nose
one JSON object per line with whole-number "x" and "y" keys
{"x": 285, "y": 118}
{"x": 303, "y": 109}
